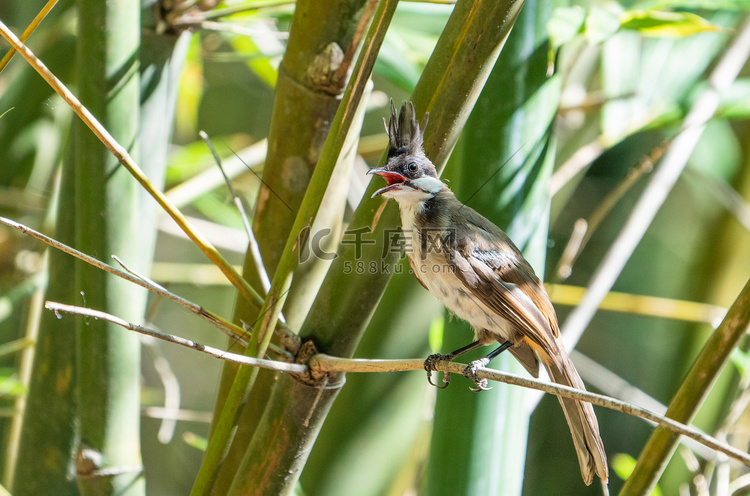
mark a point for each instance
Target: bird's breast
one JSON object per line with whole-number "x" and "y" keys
{"x": 425, "y": 248}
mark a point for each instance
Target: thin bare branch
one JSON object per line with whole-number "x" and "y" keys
{"x": 222, "y": 324}
{"x": 326, "y": 364}
{"x": 579, "y": 240}
{"x": 215, "y": 352}
{"x": 127, "y": 161}
{"x": 613, "y": 385}
{"x": 287, "y": 336}
{"x": 137, "y": 274}
{"x": 252, "y": 243}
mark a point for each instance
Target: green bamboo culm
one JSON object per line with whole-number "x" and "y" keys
{"x": 53, "y": 379}
{"x": 355, "y": 432}
{"x": 245, "y": 378}
{"x": 107, "y": 222}
{"x": 306, "y": 96}
{"x": 688, "y": 399}
{"x": 448, "y": 88}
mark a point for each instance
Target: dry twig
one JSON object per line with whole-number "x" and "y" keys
{"x": 326, "y": 364}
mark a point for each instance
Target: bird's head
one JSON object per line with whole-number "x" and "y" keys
{"x": 409, "y": 174}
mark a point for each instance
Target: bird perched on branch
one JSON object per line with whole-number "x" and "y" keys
{"x": 474, "y": 268}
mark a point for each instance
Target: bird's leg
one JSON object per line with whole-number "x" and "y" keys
{"x": 470, "y": 372}
{"x": 432, "y": 360}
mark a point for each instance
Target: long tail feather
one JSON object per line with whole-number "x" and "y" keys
{"x": 581, "y": 420}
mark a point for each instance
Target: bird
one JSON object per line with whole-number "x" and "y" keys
{"x": 480, "y": 275}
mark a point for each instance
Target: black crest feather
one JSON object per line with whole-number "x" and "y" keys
{"x": 404, "y": 133}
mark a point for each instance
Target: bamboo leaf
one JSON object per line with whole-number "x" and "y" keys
{"x": 737, "y": 5}
{"x": 657, "y": 23}
{"x": 602, "y": 23}
{"x": 565, "y": 23}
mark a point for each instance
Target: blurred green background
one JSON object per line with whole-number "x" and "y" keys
{"x": 582, "y": 94}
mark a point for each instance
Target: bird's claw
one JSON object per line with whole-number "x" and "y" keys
{"x": 430, "y": 366}
{"x": 481, "y": 386}
{"x": 470, "y": 372}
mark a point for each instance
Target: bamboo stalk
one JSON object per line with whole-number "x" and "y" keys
{"x": 324, "y": 36}
{"x": 694, "y": 389}
{"x": 245, "y": 378}
{"x": 107, "y": 221}
{"x": 52, "y": 387}
{"x": 448, "y": 89}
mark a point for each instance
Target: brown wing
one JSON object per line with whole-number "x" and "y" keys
{"x": 495, "y": 272}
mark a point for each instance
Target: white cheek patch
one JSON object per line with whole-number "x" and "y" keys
{"x": 428, "y": 184}
{"x": 407, "y": 196}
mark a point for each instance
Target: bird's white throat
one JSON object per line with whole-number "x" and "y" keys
{"x": 425, "y": 188}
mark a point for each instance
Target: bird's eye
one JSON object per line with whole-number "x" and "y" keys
{"x": 412, "y": 167}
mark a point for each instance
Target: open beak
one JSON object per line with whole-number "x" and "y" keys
{"x": 394, "y": 180}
